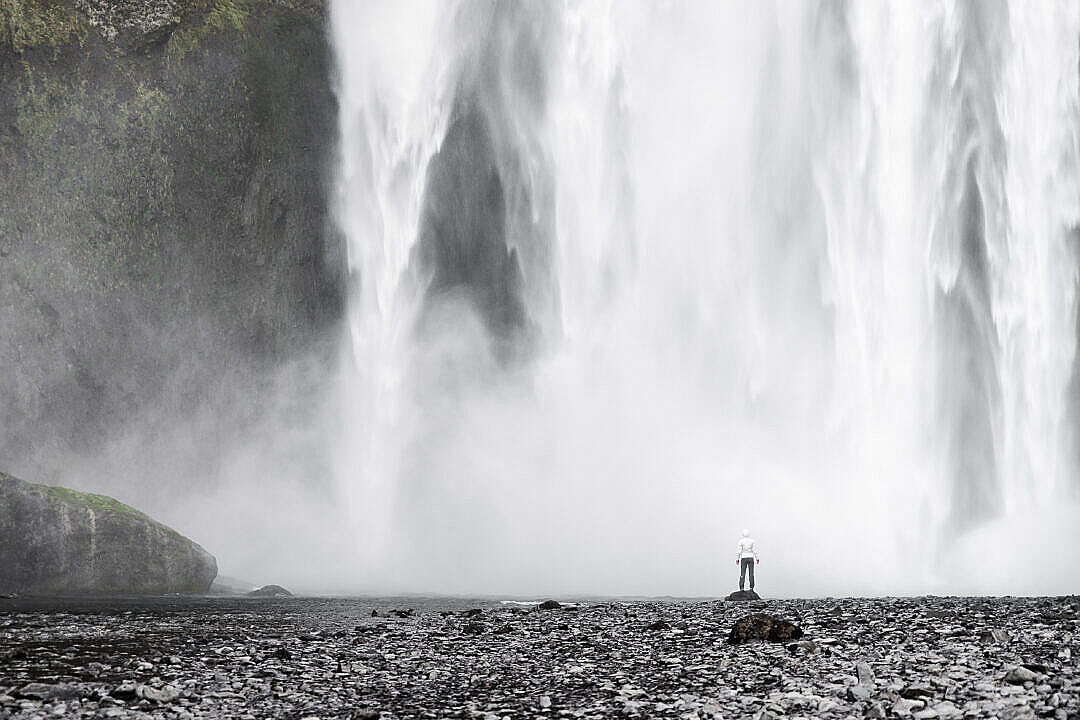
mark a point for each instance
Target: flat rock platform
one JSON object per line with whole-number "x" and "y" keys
{"x": 179, "y": 657}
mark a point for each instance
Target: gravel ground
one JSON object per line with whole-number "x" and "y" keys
{"x": 333, "y": 658}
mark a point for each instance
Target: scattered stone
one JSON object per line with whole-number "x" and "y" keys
{"x": 1020, "y": 675}
{"x": 406, "y": 613}
{"x": 229, "y": 657}
{"x": 874, "y": 711}
{"x": 995, "y": 635}
{"x": 658, "y": 625}
{"x": 44, "y": 691}
{"x": 270, "y": 591}
{"x": 947, "y": 710}
{"x": 864, "y": 673}
{"x": 916, "y": 691}
{"x": 761, "y": 626}
{"x": 162, "y": 696}
{"x": 743, "y": 596}
{"x": 904, "y": 707}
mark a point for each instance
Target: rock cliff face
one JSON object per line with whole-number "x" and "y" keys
{"x": 164, "y": 233}
{"x": 58, "y": 541}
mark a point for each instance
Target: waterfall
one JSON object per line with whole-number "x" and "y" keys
{"x": 628, "y": 277}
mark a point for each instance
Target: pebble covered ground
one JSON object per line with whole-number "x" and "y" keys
{"x": 433, "y": 658}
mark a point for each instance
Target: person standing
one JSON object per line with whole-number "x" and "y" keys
{"x": 746, "y": 558}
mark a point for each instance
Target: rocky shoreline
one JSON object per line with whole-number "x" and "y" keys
{"x": 180, "y": 657}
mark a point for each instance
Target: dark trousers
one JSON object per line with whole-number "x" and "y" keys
{"x": 746, "y": 563}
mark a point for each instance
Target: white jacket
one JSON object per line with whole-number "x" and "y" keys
{"x": 746, "y": 548}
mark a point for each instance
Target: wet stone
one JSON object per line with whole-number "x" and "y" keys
{"x": 761, "y": 626}
{"x": 188, "y": 658}
{"x": 1020, "y": 675}
{"x": 743, "y": 596}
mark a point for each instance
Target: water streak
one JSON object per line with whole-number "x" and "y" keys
{"x": 629, "y": 277}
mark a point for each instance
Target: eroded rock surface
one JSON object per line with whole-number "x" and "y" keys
{"x": 58, "y": 541}
{"x": 331, "y": 658}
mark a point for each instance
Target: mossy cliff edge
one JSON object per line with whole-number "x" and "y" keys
{"x": 164, "y": 232}
{"x": 58, "y": 541}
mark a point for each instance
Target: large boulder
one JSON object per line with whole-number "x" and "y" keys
{"x": 271, "y": 591}
{"x": 743, "y": 596}
{"x": 762, "y": 626}
{"x": 56, "y": 541}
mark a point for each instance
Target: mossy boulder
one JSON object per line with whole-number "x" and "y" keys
{"x": 56, "y": 541}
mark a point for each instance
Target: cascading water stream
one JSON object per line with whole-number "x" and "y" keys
{"x": 628, "y": 277}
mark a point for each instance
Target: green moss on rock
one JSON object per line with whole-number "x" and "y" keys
{"x": 28, "y": 24}
{"x": 101, "y": 504}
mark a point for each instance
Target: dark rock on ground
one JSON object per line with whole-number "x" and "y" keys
{"x": 273, "y": 591}
{"x": 743, "y": 596}
{"x": 761, "y": 626}
{"x": 549, "y": 605}
{"x": 58, "y": 541}
{"x": 1020, "y": 675}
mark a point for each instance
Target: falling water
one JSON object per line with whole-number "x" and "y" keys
{"x": 628, "y": 277}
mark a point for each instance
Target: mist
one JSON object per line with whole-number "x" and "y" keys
{"x": 621, "y": 279}
{"x": 790, "y": 269}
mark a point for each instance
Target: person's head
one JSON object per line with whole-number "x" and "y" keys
{"x": 745, "y": 533}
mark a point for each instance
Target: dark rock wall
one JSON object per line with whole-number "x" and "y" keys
{"x": 56, "y": 541}
{"x": 164, "y": 232}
